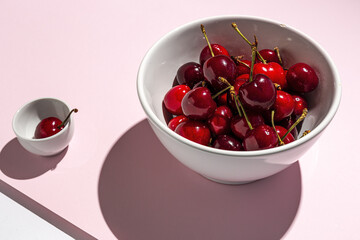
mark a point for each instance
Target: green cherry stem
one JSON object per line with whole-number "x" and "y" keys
{"x": 253, "y": 57}
{"x": 273, "y": 125}
{"x": 246, "y": 40}
{"x": 75, "y": 110}
{"x": 277, "y": 51}
{"x": 207, "y": 40}
{"x": 302, "y": 117}
{"x": 221, "y": 92}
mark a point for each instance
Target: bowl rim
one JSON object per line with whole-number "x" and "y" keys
{"x": 164, "y": 128}
{"x": 16, "y": 115}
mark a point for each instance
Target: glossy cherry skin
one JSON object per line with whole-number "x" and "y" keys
{"x": 198, "y": 104}
{"x": 48, "y": 127}
{"x": 274, "y": 71}
{"x": 281, "y": 131}
{"x": 217, "y": 50}
{"x": 258, "y": 95}
{"x": 195, "y": 131}
{"x": 219, "y": 66}
{"x": 227, "y": 142}
{"x": 174, "y": 122}
{"x": 218, "y": 124}
{"x": 189, "y": 74}
{"x": 173, "y": 98}
{"x": 239, "y": 126}
{"x": 269, "y": 55}
{"x": 302, "y": 78}
{"x": 224, "y": 111}
{"x": 300, "y": 104}
{"x": 261, "y": 137}
{"x": 283, "y": 106}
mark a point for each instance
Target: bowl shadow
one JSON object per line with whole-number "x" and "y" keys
{"x": 145, "y": 193}
{"x": 18, "y": 163}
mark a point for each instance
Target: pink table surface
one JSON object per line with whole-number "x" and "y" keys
{"x": 116, "y": 180}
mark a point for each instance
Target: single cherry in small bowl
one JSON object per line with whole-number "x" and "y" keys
{"x": 27, "y": 119}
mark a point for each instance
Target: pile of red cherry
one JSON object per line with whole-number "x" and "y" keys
{"x": 233, "y": 103}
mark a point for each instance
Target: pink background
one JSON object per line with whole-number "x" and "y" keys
{"x": 116, "y": 180}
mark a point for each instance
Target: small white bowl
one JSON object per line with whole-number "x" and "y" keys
{"x": 159, "y": 66}
{"x": 28, "y": 117}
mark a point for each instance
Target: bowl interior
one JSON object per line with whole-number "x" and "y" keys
{"x": 29, "y": 116}
{"x": 184, "y": 44}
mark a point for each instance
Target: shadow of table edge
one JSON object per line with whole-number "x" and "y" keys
{"x": 44, "y": 213}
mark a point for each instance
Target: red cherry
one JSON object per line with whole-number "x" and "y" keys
{"x": 227, "y": 142}
{"x": 48, "y": 127}
{"x": 195, "y": 131}
{"x": 269, "y": 56}
{"x": 282, "y": 131}
{"x": 243, "y": 67}
{"x": 222, "y": 99}
{"x": 173, "y": 98}
{"x": 224, "y": 111}
{"x": 300, "y": 104}
{"x": 258, "y": 95}
{"x": 273, "y": 70}
{"x": 174, "y": 122}
{"x": 189, "y": 74}
{"x": 261, "y": 137}
{"x": 238, "y": 83}
{"x": 217, "y": 50}
{"x": 283, "y": 106}
{"x": 219, "y": 66}
{"x": 218, "y": 124}
{"x": 302, "y": 78}
{"x": 239, "y": 126}
{"x": 198, "y": 104}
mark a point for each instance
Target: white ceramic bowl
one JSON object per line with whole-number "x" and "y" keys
{"x": 28, "y": 117}
{"x": 159, "y": 66}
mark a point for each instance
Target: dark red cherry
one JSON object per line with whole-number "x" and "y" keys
{"x": 219, "y": 66}
{"x": 243, "y": 67}
{"x": 261, "y": 137}
{"x": 195, "y": 131}
{"x": 273, "y": 70}
{"x": 50, "y": 126}
{"x": 300, "y": 104}
{"x": 174, "y": 122}
{"x": 224, "y": 111}
{"x": 239, "y": 126}
{"x": 217, "y": 50}
{"x": 173, "y": 98}
{"x": 198, "y": 104}
{"x": 259, "y": 94}
{"x": 222, "y": 99}
{"x": 218, "y": 124}
{"x": 269, "y": 55}
{"x": 189, "y": 74}
{"x": 302, "y": 78}
{"x": 282, "y": 131}
{"x": 283, "y": 106}
{"x": 227, "y": 142}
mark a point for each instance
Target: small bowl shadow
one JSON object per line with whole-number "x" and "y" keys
{"x": 17, "y": 163}
{"x": 145, "y": 193}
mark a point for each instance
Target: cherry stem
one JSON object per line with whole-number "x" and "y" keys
{"x": 220, "y": 92}
{"x": 248, "y": 42}
{"x": 273, "y": 125}
{"x": 67, "y": 118}
{"x": 253, "y": 56}
{"x": 305, "y": 133}
{"x": 207, "y": 40}
{"x": 277, "y": 51}
{"x": 302, "y": 117}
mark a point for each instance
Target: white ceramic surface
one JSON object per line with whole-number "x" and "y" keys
{"x": 28, "y": 117}
{"x": 159, "y": 66}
